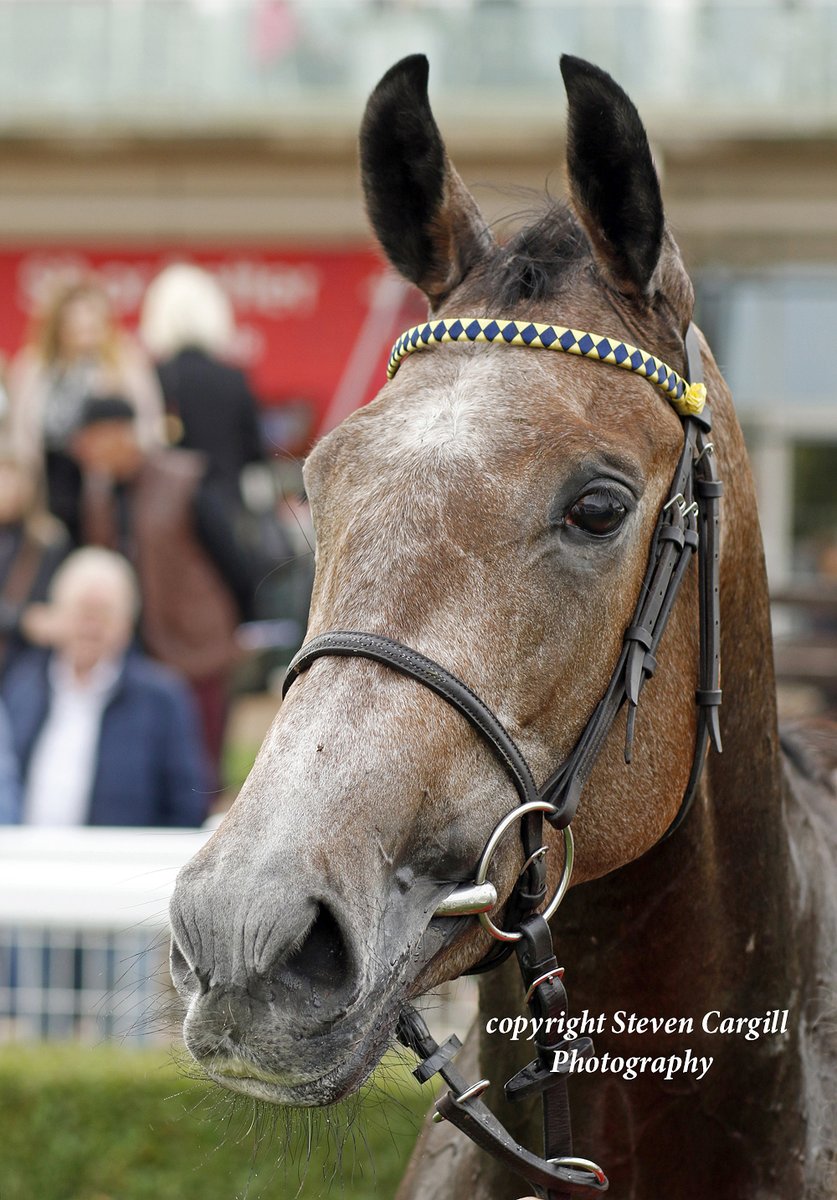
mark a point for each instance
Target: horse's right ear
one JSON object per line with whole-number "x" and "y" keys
{"x": 425, "y": 218}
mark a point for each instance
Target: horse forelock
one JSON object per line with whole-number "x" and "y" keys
{"x": 537, "y": 263}
{"x": 546, "y": 271}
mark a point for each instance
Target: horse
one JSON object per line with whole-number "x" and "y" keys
{"x": 493, "y": 510}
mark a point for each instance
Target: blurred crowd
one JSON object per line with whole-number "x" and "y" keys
{"x": 127, "y": 558}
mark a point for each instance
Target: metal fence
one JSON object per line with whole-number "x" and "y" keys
{"x": 90, "y": 984}
{"x": 84, "y": 932}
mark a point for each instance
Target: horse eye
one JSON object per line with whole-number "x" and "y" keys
{"x": 598, "y": 512}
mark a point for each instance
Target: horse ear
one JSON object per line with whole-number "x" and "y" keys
{"x": 425, "y": 218}
{"x": 613, "y": 182}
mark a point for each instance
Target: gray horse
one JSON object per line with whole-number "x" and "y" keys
{"x": 494, "y": 507}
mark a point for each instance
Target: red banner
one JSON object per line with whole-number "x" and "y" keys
{"x": 313, "y": 326}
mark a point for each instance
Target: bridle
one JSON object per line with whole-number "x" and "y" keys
{"x": 688, "y": 523}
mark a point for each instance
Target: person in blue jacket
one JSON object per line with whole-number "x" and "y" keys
{"x": 103, "y": 735}
{"x": 10, "y": 790}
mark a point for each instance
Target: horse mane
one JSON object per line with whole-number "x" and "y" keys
{"x": 536, "y": 263}
{"x": 810, "y": 746}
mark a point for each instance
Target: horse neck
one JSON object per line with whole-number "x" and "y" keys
{"x": 721, "y": 886}
{"x": 704, "y": 921}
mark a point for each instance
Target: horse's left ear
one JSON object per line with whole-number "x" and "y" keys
{"x": 425, "y": 218}
{"x": 613, "y": 182}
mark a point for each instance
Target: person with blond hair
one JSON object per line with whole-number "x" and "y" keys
{"x": 103, "y": 735}
{"x": 77, "y": 351}
{"x": 32, "y": 545}
{"x": 187, "y": 325}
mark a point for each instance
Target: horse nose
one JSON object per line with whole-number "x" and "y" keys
{"x": 320, "y": 960}
{"x": 301, "y": 958}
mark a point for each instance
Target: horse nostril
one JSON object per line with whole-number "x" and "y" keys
{"x": 182, "y": 975}
{"x": 322, "y": 961}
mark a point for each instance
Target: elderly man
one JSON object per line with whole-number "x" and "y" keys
{"x": 104, "y": 736}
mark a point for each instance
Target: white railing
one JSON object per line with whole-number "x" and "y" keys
{"x": 84, "y": 931}
{"x": 84, "y": 936}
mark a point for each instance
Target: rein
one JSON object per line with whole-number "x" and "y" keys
{"x": 688, "y": 523}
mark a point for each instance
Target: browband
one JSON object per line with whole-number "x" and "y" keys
{"x": 687, "y": 398}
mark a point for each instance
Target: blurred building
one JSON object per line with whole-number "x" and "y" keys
{"x": 132, "y": 131}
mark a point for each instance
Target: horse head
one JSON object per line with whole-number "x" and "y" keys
{"x": 493, "y": 509}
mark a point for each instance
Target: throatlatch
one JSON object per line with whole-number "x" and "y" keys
{"x": 688, "y": 523}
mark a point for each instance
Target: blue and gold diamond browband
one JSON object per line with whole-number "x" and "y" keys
{"x": 687, "y": 398}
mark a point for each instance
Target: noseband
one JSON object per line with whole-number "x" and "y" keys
{"x": 688, "y": 523}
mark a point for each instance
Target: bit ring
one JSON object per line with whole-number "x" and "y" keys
{"x": 505, "y": 935}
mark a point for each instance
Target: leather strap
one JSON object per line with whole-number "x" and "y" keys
{"x": 429, "y": 673}
{"x": 537, "y": 961}
{"x": 553, "y": 1181}
{"x": 475, "y": 1120}
{"x": 709, "y": 490}
{"x": 675, "y": 539}
{"x": 555, "y": 1175}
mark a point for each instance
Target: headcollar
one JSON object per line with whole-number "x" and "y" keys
{"x": 687, "y": 398}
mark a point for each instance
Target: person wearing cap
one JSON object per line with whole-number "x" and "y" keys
{"x": 154, "y": 506}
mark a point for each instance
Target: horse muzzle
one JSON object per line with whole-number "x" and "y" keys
{"x": 295, "y": 1003}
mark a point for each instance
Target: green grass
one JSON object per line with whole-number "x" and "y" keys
{"x": 111, "y": 1124}
{"x": 237, "y": 762}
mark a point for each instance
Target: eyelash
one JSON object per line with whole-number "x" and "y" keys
{"x": 612, "y": 511}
